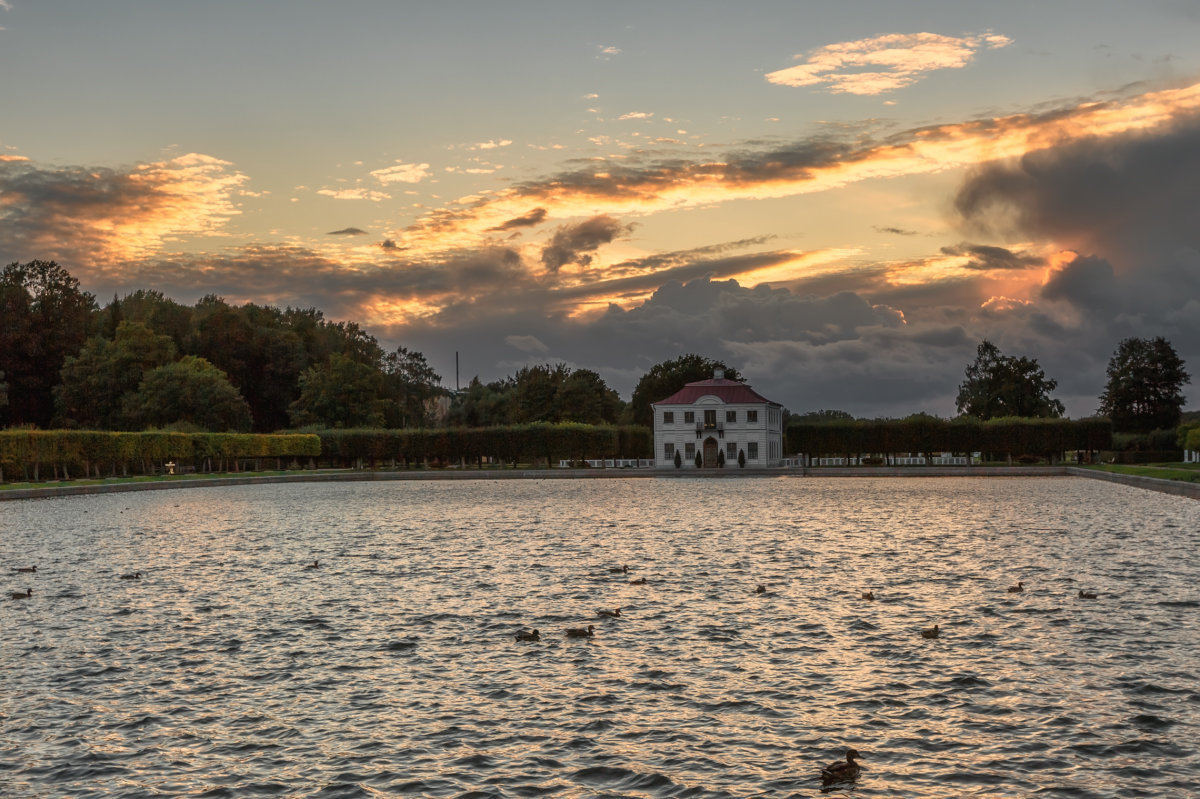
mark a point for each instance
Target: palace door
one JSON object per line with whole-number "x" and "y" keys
{"x": 710, "y": 452}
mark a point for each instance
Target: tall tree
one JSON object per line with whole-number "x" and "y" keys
{"x": 1003, "y": 385}
{"x": 1145, "y": 386}
{"x": 95, "y": 382}
{"x": 409, "y": 382}
{"x": 44, "y": 317}
{"x": 342, "y": 393}
{"x": 665, "y": 378}
{"x": 536, "y": 389}
{"x": 190, "y": 391}
{"x": 585, "y": 397}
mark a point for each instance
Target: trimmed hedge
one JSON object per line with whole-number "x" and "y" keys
{"x": 86, "y": 453}
{"x": 509, "y": 444}
{"x": 1008, "y": 437}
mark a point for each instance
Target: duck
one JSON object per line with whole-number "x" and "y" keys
{"x": 762, "y": 589}
{"x": 580, "y": 632}
{"x": 1086, "y": 594}
{"x": 316, "y": 564}
{"x": 134, "y": 576}
{"x": 619, "y": 570}
{"x": 932, "y": 632}
{"x": 26, "y": 569}
{"x": 16, "y": 595}
{"x": 1019, "y": 588}
{"x": 529, "y": 635}
{"x": 842, "y": 770}
{"x": 615, "y": 613}
{"x": 868, "y": 595}
{"x": 638, "y": 581}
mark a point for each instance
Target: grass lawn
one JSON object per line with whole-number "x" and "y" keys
{"x": 1187, "y": 472}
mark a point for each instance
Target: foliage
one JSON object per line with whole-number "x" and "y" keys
{"x": 668, "y": 377}
{"x": 189, "y": 390}
{"x": 95, "y": 383}
{"x": 821, "y": 416}
{"x": 44, "y": 317}
{"x": 1144, "y": 389}
{"x": 540, "y": 393}
{"x": 1012, "y": 436}
{"x": 87, "y": 452}
{"x": 342, "y": 393}
{"x": 999, "y": 385}
{"x": 409, "y": 384}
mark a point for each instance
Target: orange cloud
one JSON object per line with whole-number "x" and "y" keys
{"x": 616, "y": 188}
{"x": 112, "y": 215}
{"x": 884, "y": 63}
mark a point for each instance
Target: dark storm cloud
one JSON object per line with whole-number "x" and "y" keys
{"x": 988, "y": 257}
{"x": 347, "y": 231}
{"x": 571, "y": 243}
{"x": 531, "y": 219}
{"x": 1123, "y": 197}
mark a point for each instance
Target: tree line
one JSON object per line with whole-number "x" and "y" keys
{"x": 145, "y": 361}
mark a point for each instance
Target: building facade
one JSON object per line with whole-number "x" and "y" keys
{"x": 720, "y": 421}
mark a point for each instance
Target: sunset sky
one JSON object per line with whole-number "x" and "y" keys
{"x": 838, "y": 199}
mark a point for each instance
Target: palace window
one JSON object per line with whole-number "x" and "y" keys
{"x": 710, "y": 420}
{"x": 689, "y": 451}
{"x": 731, "y": 417}
{"x": 668, "y": 417}
{"x": 731, "y": 452}
{"x": 689, "y": 417}
{"x": 751, "y": 416}
{"x": 669, "y": 451}
{"x": 752, "y": 451}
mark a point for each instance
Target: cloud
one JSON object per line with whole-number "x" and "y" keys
{"x": 989, "y": 257}
{"x": 571, "y": 242}
{"x": 402, "y": 173}
{"x": 531, "y": 219}
{"x": 98, "y": 214}
{"x": 488, "y": 145}
{"x": 636, "y": 115}
{"x": 526, "y": 343}
{"x": 605, "y": 51}
{"x": 347, "y": 231}
{"x": 883, "y": 63}
{"x": 895, "y": 231}
{"x": 642, "y": 184}
{"x": 355, "y": 194}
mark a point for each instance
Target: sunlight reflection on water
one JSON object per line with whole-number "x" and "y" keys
{"x": 231, "y": 670}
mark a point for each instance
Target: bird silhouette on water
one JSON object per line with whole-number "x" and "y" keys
{"x": 842, "y": 770}
{"x": 529, "y": 635}
{"x": 1086, "y": 594}
{"x": 869, "y": 596}
{"x": 28, "y": 593}
{"x": 580, "y": 632}
{"x": 134, "y": 576}
{"x": 932, "y": 632}
{"x": 26, "y": 569}
{"x": 609, "y": 614}
{"x": 1019, "y": 588}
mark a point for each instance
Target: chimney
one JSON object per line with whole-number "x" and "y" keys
{"x": 718, "y": 374}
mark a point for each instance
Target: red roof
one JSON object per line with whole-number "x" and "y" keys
{"x": 728, "y": 391}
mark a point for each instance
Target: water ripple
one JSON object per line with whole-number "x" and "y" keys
{"x": 231, "y": 670}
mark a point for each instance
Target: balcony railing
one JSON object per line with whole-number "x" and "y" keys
{"x": 702, "y": 428}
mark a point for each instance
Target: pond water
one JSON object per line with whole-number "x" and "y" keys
{"x": 230, "y": 670}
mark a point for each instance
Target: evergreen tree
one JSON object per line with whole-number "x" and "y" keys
{"x": 999, "y": 385}
{"x": 1144, "y": 390}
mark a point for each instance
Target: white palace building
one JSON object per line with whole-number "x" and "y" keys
{"x": 720, "y": 420}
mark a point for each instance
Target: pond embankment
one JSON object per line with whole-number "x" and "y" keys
{"x": 1178, "y": 488}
